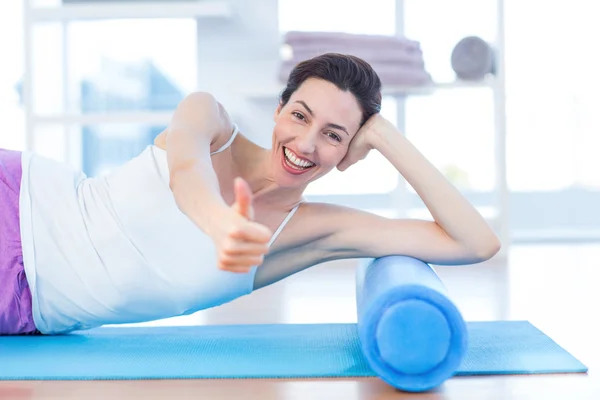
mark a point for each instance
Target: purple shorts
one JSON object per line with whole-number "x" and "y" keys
{"x": 15, "y": 297}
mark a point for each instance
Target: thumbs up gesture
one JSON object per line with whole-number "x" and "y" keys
{"x": 243, "y": 199}
{"x": 241, "y": 243}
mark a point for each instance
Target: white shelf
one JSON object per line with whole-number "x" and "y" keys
{"x": 110, "y": 10}
{"x": 134, "y": 117}
{"x": 270, "y": 92}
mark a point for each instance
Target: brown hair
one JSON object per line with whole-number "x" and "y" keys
{"x": 347, "y": 72}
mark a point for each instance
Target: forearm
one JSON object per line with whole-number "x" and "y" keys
{"x": 449, "y": 208}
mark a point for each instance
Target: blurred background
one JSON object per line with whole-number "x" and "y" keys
{"x": 501, "y": 95}
{"x": 92, "y": 82}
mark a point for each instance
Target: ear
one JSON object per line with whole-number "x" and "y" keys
{"x": 277, "y": 112}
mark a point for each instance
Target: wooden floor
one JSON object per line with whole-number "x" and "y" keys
{"x": 554, "y": 286}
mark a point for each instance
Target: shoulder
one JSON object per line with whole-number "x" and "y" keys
{"x": 200, "y": 113}
{"x": 207, "y": 105}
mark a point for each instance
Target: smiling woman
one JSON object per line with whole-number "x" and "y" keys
{"x": 205, "y": 216}
{"x": 324, "y": 104}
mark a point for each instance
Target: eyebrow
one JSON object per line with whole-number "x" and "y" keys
{"x": 331, "y": 125}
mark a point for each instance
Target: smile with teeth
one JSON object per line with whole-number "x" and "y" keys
{"x": 295, "y": 162}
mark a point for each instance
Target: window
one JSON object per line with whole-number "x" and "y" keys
{"x": 552, "y": 94}
{"x": 453, "y": 128}
{"x": 118, "y": 65}
{"x": 88, "y": 75}
{"x": 551, "y": 104}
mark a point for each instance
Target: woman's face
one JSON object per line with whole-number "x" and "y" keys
{"x": 312, "y": 132}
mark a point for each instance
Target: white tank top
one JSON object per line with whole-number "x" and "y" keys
{"x": 116, "y": 249}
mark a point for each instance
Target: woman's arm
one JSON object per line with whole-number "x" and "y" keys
{"x": 198, "y": 122}
{"x": 458, "y": 234}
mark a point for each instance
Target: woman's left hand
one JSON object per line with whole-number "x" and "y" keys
{"x": 374, "y": 129}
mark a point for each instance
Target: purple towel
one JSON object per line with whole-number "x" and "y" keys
{"x": 15, "y": 297}
{"x": 372, "y": 54}
{"x": 396, "y": 59}
{"x": 389, "y": 73}
{"x": 297, "y": 38}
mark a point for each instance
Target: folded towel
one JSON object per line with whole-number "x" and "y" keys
{"x": 396, "y": 59}
{"x": 295, "y": 38}
{"x": 374, "y": 54}
{"x": 389, "y": 74}
{"x": 401, "y": 75}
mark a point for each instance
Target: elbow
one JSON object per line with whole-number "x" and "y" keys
{"x": 488, "y": 249}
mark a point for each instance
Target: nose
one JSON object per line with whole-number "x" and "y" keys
{"x": 306, "y": 143}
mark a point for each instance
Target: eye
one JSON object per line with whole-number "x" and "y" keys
{"x": 334, "y": 136}
{"x": 298, "y": 115}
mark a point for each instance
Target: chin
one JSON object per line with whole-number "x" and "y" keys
{"x": 283, "y": 180}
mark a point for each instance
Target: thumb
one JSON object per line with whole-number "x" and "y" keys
{"x": 243, "y": 198}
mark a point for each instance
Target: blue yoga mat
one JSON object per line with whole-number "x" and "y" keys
{"x": 409, "y": 333}
{"x": 257, "y": 351}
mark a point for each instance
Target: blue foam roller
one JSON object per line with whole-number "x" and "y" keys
{"x": 412, "y": 335}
